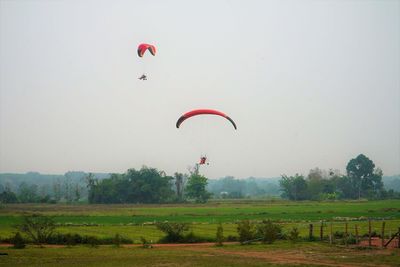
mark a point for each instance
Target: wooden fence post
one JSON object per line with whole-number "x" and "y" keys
{"x": 356, "y": 229}
{"x": 321, "y": 231}
{"x": 310, "y": 234}
{"x": 346, "y": 235}
{"x": 331, "y": 234}
{"x": 383, "y": 234}
{"x": 398, "y": 239}
{"x": 369, "y": 232}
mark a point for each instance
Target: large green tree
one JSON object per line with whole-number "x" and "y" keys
{"x": 7, "y": 196}
{"x": 319, "y": 186}
{"x": 147, "y": 185}
{"x": 196, "y": 188}
{"x": 315, "y": 183}
{"x": 27, "y": 193}
{"x": 364, "y": 179}
{"x": 294, "y": 187}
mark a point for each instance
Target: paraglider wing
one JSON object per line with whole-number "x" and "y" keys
{"x": 196, "y": 112}
{"x": 142, "y": 48}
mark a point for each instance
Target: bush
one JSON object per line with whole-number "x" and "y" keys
{"x": 231, "y": 238}
{"x": 38, "y": 227}
{"x": 92, "y": 241}
{"x": 117, "y": 240}
{"x": 338, "y": 235}
{"x": 74, "y": 239}
{"x": 111, "y": 240}
{"x": 174, "y": 231}
{"x": 269, "y": 231}
{"x": 145, "y": 243}
{"x": 65, "y": 239}
{"x": 219, "y": 236}
{"x": 246, "y": 231}
{"x": 373, "y": 234}
{"x": 351, "y": 240}
{"x": 70, "y": 240}
{"x": 18, "y": 241}
{"x": 192, "y": 238}
{"x": 294, "y": 235}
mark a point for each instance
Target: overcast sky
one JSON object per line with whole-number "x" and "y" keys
{"x": 308, "y": 83}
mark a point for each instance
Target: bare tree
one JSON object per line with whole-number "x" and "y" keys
{"x": 38, "y": 227}
{"x": 180, "y": 181}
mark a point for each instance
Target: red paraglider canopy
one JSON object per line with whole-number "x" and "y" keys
{"x": 202, "y": 112}
{"x": 143, "y": 47}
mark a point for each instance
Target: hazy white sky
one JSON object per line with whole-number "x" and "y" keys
{"x": 309, "y": 84}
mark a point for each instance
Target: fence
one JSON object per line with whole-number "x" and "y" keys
{"x": 374, "y": 233}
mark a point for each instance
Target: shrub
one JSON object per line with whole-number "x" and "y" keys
{"x": 145, "y": 243}
{"x": 219, "y": 236}
{"x": 245, "y": 230}
{"x": 38, "y": 227}
{"x": 65, "y": 239}
{"x": 92, "y": 241}
{"x": 70, "y": 240}
{"x": 125, "y": 240}
{"x": 351, "y": 240}
{"x": 338, "y": 235}
{"x": 190, "y": 238}
{"x": 269, "y": 231}
{"x": 373, "y": 234}
{"x": 111, "y": 240}
{"x": 294, "y": 235}
{"x": 117, "y": 240}
{"x": 18, "y": 241}
{"x": 231, "y": 238}
{"x": 174, "y": 231}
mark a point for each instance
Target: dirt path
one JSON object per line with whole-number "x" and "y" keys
{"x": 377, "y": 242}
{"x": 289, "y": 256}
{"x": 294, "y": 256}
{"x": 138, "y": 245}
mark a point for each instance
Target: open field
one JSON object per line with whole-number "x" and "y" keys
{"x": 281, "y": 253}
{"x": 134, "y": 221}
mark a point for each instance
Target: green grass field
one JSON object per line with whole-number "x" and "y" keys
{"x": 281, "y": 253}
{"x": 134, "y": 221}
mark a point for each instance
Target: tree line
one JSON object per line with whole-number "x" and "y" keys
{"x": 232, "y": 188}
{"x": 150, "y": 185}
{"x": 147, "y": 185}
{"x": 34, "y": 187}
{"x": 362, "y": 180}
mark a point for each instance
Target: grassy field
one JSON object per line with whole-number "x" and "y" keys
{"x": 134, "y": 221}
{"x": 281, "y": 253}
